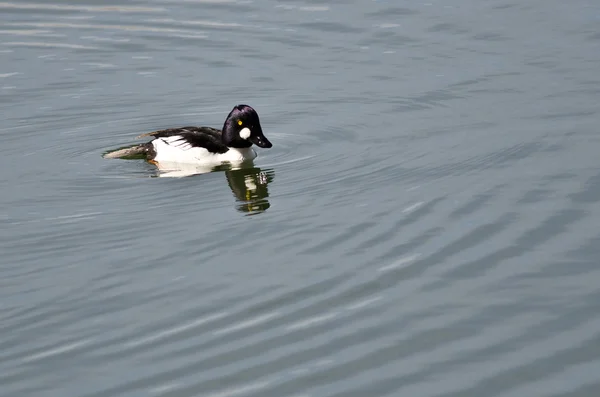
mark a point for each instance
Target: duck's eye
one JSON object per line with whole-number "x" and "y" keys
{"x": 240, "y": 122}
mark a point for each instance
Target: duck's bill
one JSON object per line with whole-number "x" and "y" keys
{"x": 261, "y": 141}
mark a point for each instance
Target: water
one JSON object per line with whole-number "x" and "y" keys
{"x": 426, "y": 223}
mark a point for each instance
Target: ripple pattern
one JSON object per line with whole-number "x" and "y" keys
{"x": 424, "y": 225}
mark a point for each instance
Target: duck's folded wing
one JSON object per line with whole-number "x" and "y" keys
{"x": 186, "y": 138}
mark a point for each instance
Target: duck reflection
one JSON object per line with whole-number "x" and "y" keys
{"x": 250, "y": 187}
{"x": 248, "y": 183}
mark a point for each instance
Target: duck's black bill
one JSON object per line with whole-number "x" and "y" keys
{"x": 261, "y": 141}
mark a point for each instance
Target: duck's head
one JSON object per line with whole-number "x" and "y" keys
{"x": 242, "y": 129}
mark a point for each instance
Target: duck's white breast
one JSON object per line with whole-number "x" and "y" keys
{"x": 172, "y": 149}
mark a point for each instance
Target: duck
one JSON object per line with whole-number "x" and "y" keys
{"x": 202, "y": 145}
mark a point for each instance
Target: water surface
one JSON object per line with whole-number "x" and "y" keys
{"x": 426, "y": 223}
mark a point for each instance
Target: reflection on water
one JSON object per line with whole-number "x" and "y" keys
{"x": 247, "y": 182}
{"x": 250, "y": 187}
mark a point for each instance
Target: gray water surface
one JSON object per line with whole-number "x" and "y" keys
{"x": 426, "y": 223}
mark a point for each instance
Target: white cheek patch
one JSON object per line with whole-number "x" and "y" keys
{"x": 245, "y": 133}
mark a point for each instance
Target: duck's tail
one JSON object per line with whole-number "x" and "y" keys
{"x": 128, "y": 153}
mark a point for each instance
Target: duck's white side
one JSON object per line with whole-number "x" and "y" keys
{"x": 173, "y": 150}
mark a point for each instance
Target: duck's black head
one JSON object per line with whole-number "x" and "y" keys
{"x": 242, "y": 129}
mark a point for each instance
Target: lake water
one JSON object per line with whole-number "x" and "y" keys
{"x": 426, "y": 223}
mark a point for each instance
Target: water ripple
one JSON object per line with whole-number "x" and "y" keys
{"x": 89, "y": 8}
{"x": 426, "y": 219}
